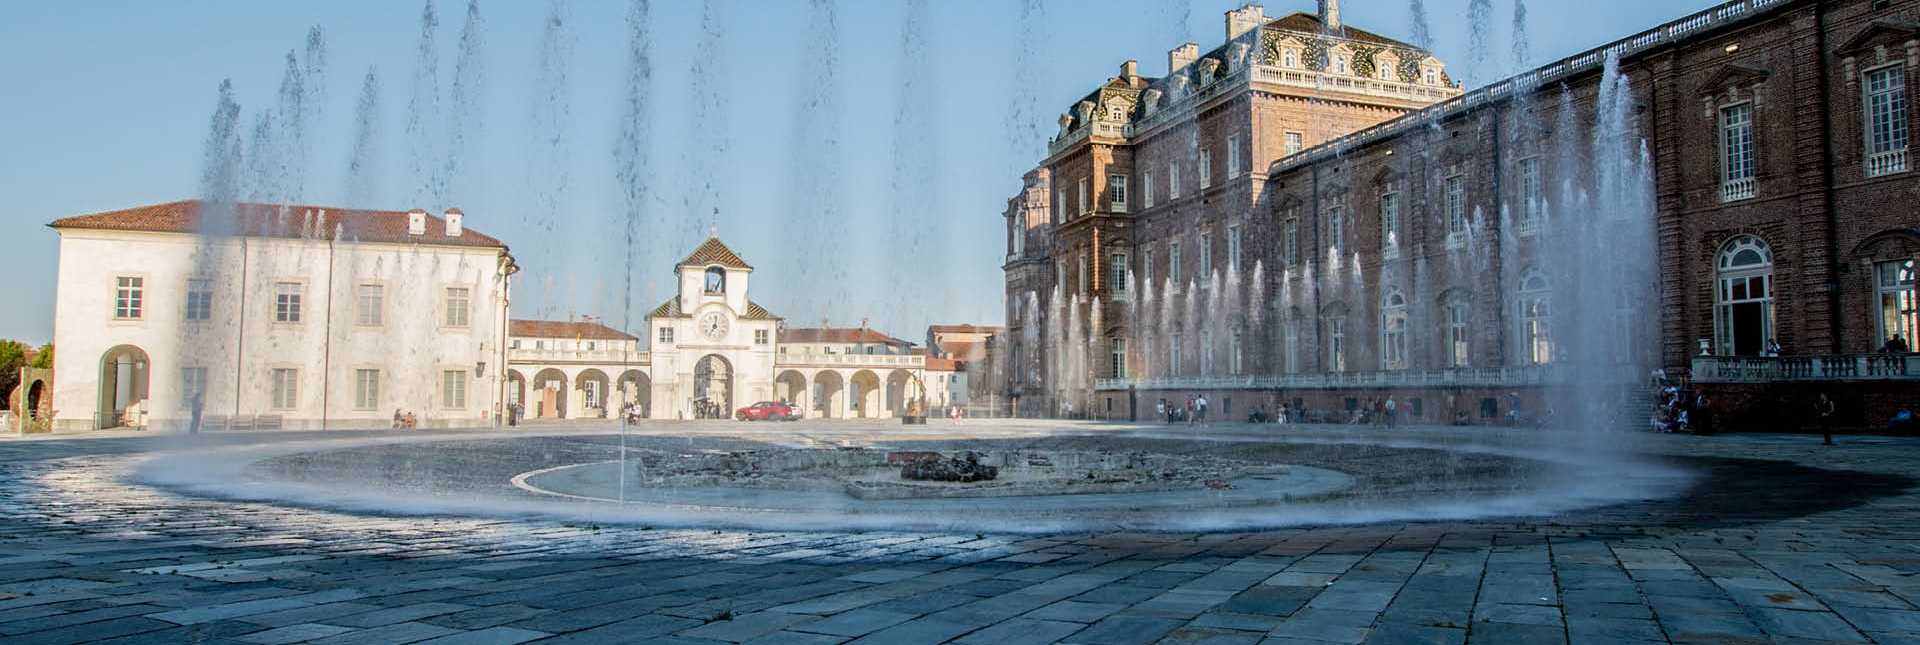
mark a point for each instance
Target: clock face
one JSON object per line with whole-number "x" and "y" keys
{"x": 713, "y": 325}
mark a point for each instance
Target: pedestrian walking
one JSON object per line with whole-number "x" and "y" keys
{"x": 1390, "y": 411}
{"x": 1823, "y": 408}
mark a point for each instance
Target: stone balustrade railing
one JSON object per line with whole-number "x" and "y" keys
{"x": 845, "y": 360}
{"x": 603, "y": 356}
{"x": 1838, "y": 367}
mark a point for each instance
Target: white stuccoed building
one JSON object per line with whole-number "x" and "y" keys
{"x": 277, "y": 316}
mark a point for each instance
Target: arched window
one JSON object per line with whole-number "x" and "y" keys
{"x": 1290, "y": 340}
{"x": 1899, "y": 311}
{"x": 716, "y": 281}
{"x": 1290, "y": 58}
{"x": 1393, "y": 332}
{"x": 1743, "y": 298}
{"x": 1333, "y": 320}
{"x": 1536, "y": 316}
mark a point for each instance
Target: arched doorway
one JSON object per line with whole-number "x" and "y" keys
{"x": 713, "y": 386}
{"x": 864, "y": 390}
{"x": 517, "y": 389}
{"x": 791, "y": 386}
{"x": 636, "y": 389}
{"x": 591, "y": 385}
{"x": 829, "y": 395}
{"x": 1743, "y": 297}
{"x": 123, "y": 387}
{"x": 549, "y": 395}
{"x": 901, "y": 393}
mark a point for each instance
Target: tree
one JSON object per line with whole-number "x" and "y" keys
{"x": 13, "y": 356}
{"x": 44, "y": 360}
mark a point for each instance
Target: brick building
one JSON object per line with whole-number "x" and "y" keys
{"x": 1312, "y": 214}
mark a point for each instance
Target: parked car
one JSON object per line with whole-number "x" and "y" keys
{"x": 767, "y": 411}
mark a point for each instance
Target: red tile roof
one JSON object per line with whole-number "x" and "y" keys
{"x": 274, "y": 220}
{"x": 836, "y": 335}
{"x": 964, "y": 329}
{"x": 585, "y": 329}
{"x": 715, "y": 252}
{"x": 965, "y": 350}
{"x": 942, "y": 364}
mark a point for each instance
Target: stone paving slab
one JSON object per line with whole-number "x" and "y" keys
{"x": 1787, "y": 542}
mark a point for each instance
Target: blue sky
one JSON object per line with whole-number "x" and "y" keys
{"x": 109, "y": 103}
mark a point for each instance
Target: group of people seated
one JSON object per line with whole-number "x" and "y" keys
{"x": 405, "y": 421}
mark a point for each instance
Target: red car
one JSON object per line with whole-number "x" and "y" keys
{"x": 767, "y": 411}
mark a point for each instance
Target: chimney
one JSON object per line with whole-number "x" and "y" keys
{"x": 1182, "y": 56}
{"x": 1249, "y": 18}
{"x": 1130, "y": 70}
{"x": 417, "y": 222}
{"x": 1330, "y": 15}
{"x": 454, "y": 226}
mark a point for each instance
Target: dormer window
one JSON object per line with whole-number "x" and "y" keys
{"x": 1432, "y": 76}
{"x": 716, "y": 281}
{"x": 1290, "y": 58}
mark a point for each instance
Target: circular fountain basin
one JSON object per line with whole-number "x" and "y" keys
{"x": 1049, "y": 480}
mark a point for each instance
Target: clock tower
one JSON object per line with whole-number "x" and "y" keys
{"x": 716, "y": 343}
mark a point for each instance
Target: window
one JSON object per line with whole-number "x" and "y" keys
{"x": 1886, "y": 120}
{"x": 1390, "y": 225}
{"x": 1290, "y": 241}
{"x": 1340, "y": 64}
{"x": 1290, "y": 58}
{"x": 716, "y": 283}
{"x": 1116, "y": 113}
{"x": 1336, "y": 344}
{"x": 1146, "y": 189}
{"x": 1290, "y": 333}
{"x": 1206, "y": 167}
{"x": 199, "y": 299}
{"x": 370, "y": 300}
{"x": 1206, "y": 259}
{"x": 453, "y": 389}
{"x": 1233, "y": 249}
{"x": 284, "y": 384}
{"x": 1117, "y": 189}
{"x": 1059, "y": 206}
{"x": 1235, "y": 357}
{"x": 1393, "y": 332}
{"x": 1016, "y": 234}
{"x": 459, "y": 301}
{"x": 1083, "y": 197}
{"x": 1117, "y": 271}
{"x": 1173, "y": 355}
{"x": 1336, "y": 227}
{"x": 1899, "y": 311}
{"x": 1117, "y": 358}
{"x": 1296, "y": 141}
{"x": 1536, "y": 317}
{"x": 1743, "y": 300}
{"x": 1532, "y": 195}
{"x": 1083, "y": 272}
{"x": 129, "y": 297}
{"x": 1146, "y": 267}
{"x": 1454, "y": 192}
{"x": 366, "y": 389}
{"x": 1233, "y": 156}
{"x": 193, "y": 385}
{"x": 1173, "y": 180}
{"x": 1431, "y": 76}
{"x": 1456, "y": 349}
{"x": 1736, "y": 152}
{"x": 1206, "y": 353}
{"x": 759, "y": 336}
{"x": 286, "y": 302}
{"x": 1173, "y": 263}
{"x": 666, "y": 334}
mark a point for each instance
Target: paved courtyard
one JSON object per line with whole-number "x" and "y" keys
{"x": 1781, "y": 540}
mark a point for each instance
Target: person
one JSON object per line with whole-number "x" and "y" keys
{"x": 1191, "y": 415}
{"x": 1160, "y": 410}
{"x": 196, "y": 405}
{"x": 1895, "y": 345}
{"x": 1379, "y": 410}
{"x": 410, "y": 422}
{"x": 1200, "y": 408}
{"x": 953, "y": 413}
{"x": 1390, "y": 411}
{"x": 398, "y": 418}
{"x": 513, "y": 414}
{"x": 1513, "y": 412}
{"x": 1773, "y": 348}
{"x": 1823, "y": 410}
{"x": 1286, "y": 409}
